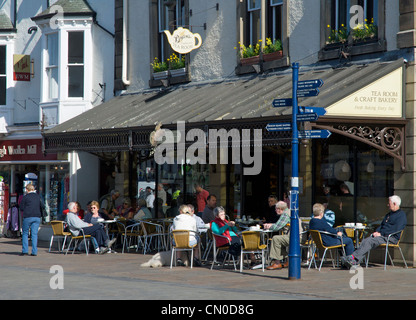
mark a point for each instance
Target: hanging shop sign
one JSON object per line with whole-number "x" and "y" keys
{"x": 21, "y": 67}
{"x": 183, "y": 41}
{"x": 381, "y": 98}
{"x": 23, "y": 150}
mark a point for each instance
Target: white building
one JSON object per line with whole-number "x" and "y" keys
{"x": 56, "y": 62}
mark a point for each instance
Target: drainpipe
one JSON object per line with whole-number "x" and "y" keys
{"x": 124, "y": 76}
{"x": 15, "y": 14}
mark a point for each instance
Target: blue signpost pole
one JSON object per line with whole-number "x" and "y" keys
{"x": 294, "y": 246}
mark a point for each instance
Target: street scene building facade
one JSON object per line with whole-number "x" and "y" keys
{"x": 223, "y": 87}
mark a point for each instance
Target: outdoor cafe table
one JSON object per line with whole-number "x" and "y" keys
{"x": 357, "y": 229}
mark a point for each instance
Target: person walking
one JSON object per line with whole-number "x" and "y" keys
{"x": 32, "y": 214}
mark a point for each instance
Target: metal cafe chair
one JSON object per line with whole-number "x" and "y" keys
{"x": 317, "y": 239}
{"x": 82, "y": 237}
{"x": 387, "y": 246}
{"x": 216, "y": 250}
{"x": 181, "y": 243}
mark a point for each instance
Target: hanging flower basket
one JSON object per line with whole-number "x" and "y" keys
{"x": 250, "y": 61}
{"x": 273, "y": 56}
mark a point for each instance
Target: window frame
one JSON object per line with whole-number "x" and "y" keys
{"x": 3, "y": 97}
{"x": 332, "y": 50}
{"x": 50, "y": 68}
{"x": 76, "y": 65}
{"x": 267, "y": 30}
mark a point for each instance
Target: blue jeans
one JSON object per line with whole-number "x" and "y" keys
{"x": 31, "y": 223}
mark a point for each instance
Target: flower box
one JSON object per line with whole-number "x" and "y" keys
{"x": 273, "y": 56}
{"x": 250, "y": 61}
{"x": 177, "y": 72}
{"x": 160, "y": 75}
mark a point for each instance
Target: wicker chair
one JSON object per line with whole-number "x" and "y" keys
{"x": 181, "y": 243}
{"x": 251, "y": 244}
{"x": 58, "y": 233}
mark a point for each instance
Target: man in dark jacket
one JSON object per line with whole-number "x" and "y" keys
{"x": 394, "y": 221}
{"x": 32, "y": 214}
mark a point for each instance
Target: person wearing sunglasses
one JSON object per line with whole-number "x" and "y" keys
{"x": 95, "y": 230}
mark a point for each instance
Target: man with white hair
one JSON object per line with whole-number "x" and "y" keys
{"x": 394, "y": 221}
{"x": 95, "y": 230}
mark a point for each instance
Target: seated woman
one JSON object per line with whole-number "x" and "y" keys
{"x": 142, "y": 211}
{"x": 319, "y": 223}
{"x": 125, "y": 210}
{"x": 185, "y": 221}
{"x": 97, "y": 231}
{"x": 228, "y": 229}
{"x": 93, "y": 216}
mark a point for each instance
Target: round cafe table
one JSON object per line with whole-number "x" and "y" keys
{"x": 356, "y": 229}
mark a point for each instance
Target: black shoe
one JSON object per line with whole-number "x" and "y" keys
{"x": 180, "y": 263}
{"x": 33, "y": 255}
{"x": 23, "y": 254}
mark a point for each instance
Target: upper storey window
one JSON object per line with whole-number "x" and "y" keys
{"x": 357, "y": 27}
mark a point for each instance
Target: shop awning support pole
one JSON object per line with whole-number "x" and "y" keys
{"x": 294, "y": 241}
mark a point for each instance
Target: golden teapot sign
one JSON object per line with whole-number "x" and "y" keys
{"x": 183, "y": 41}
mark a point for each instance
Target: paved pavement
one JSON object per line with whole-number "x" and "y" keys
{"x": 119, "y": 276}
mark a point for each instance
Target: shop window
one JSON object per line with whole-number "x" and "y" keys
{"x": 52, "y": 66}
{"x": 354, "y": 180}
{"x": 76, "y": 64}
{"x": 3, "y": 78}
{"x": 352, "y": 28}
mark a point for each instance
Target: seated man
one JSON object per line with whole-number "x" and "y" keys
{"x": 279, "y": 250}
{"x": 394, "y": 221}
{"x": 97, "y": 231}
{"x": 283, "y": 214}
{"x": 320, "y": 224}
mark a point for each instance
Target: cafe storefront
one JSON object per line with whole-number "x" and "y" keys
{"x": 365, "y": 113}
{"x": 22, "y": 162}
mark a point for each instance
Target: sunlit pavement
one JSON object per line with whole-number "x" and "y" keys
{"x": 119, "y": 276}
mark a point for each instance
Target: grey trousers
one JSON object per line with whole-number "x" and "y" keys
{"x": 370, "y": 243}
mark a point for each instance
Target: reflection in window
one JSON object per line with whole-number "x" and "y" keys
{"x": 365, "y": 171}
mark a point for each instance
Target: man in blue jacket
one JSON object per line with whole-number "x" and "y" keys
{"x": 394, "y": 221}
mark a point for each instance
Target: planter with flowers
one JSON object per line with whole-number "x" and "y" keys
{"x": 249, "y": 55}
{"x": 173, "y": 66}
{"x": 176, "y": 65}
{"x": 160, "y": 69}
{"x": 272, "y": 50}
{"x": 337, "y": 37}
{"x": 364, "y": 33}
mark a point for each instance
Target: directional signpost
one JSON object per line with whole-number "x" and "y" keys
{"x": 300, "y": 89}
{"x": 282, "y": 103}
{"x": 311, "y": 134}
{"x": 279, "y": 126}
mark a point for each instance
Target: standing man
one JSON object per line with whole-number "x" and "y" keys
{"x": 201, "y": 199}
{"x": 394, "y": 221}
{"x": 32, "y": 214}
